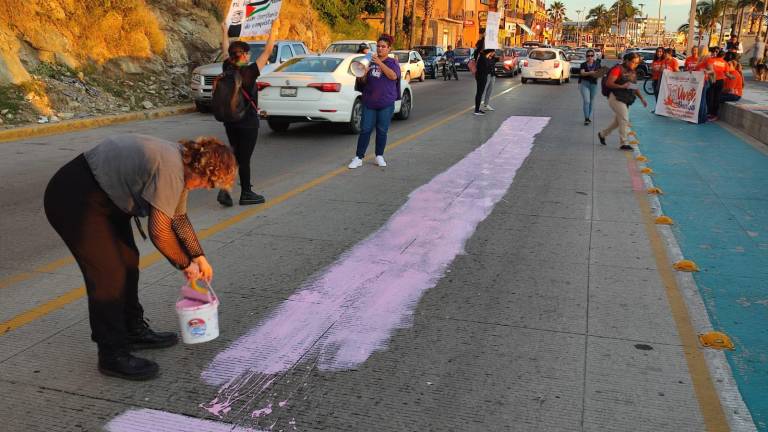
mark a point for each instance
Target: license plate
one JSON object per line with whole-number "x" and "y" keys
{"x": 288, "y": 91}
{"x": 539, "y": 73}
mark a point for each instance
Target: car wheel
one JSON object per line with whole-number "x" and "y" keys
{"x": 278, "y": 126}
{"x": 201, "y": 107}
{"x": 560, "y": 80}
{"x": 406, "y": 104}
{"x": 567, "y": 80}
{"x": 356, "y": 118}
{"x": 423, "y": 76}
{"x": 408, "y": 76}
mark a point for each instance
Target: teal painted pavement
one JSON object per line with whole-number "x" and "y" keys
{"x": 716, "y": 190}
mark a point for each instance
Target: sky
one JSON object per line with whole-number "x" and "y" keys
{"x": 676, "y": 11}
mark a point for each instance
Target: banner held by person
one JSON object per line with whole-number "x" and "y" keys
{"x": 251, "y": 17}
{"x": 680, "y": 95}
{"x": 492, "y": 30}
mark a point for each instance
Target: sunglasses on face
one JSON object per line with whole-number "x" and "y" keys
{"x": 590, "y": 55}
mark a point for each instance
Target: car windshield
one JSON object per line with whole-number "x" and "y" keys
{"x": 542, "y": 55}
{"x": 254, "y": 53}
{"x": 522, "y": 52}
{"x": 310, "y": 64}
{"x": 427, "y": 51}
{"x": 461, "y": 51}
{"x": 402, "y": 57}
{"x": 343, "y": 48}
{"x": 647, "y": 55}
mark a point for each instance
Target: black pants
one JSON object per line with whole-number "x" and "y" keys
{"x": 656, "y": 85}
{"x": 243, "y": 141}
{"x": 713, "y": 97}
{"x": 482, "y": 80}
{"x": 99, "y": 235}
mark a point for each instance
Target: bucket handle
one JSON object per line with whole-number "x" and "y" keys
{"x": 210, "y": 288}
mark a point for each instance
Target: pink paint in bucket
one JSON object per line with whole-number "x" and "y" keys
{"x": 198, "y": 320}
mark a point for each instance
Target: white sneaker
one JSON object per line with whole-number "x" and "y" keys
{"x": 489, "y": 108}
{"x": 380, "y": 161}
{"x": 356, "y": 163}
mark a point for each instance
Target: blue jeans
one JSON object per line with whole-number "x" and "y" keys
{"x": 380, "y": 119}
{"x": 588, "y": 92}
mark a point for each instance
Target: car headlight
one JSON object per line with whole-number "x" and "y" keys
{"x": 197, "y": 78}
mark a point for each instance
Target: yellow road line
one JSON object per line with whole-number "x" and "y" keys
{"x": 146, "y": 261}
{"x": 706, "y": 394}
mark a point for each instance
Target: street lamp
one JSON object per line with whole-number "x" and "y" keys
{"x": 640, "y": 36}
{"x": 578, "y": 27}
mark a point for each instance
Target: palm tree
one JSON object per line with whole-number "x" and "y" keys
{"x": 429, "y": 6}
{"x": 556, "y": 13}
{"x": 710, "y": 11}
{"x": 599, "y": 21}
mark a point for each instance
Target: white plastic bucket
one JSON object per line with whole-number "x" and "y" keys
{"x": 199, "y": 323}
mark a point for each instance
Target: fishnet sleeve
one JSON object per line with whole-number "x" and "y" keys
{"x": 186, "y": 235}
{"x": 164, "y": 237}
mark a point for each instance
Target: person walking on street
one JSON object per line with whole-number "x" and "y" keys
{"x": 90, "y": 202}
{"x": 381, "y": 88}
{"x": 588, "y": 74}
{"x": 623, "y": 90}
{"x": 657, "y": 68}
{"x": 492, "y": 59}
{"x": 242, "y": 135}
{"x": 481, "y": 78}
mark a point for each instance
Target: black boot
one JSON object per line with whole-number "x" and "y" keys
{"x": 224, "y": 198}
{"x": 140, "y": 336}
{"x": 118, "y": 362}
{"x": 248, "y": 197}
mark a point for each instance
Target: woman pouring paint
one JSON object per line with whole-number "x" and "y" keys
{"x": 90, "y": 202}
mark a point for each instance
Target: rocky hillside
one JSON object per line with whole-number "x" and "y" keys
{"x": 62, "y": 59}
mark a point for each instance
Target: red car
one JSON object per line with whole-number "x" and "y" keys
{"x": 508, "y": 62}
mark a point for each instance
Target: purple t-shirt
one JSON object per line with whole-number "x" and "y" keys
{"x": 380, "y": 91}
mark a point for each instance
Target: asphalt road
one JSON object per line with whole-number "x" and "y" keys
{"x": 496, "y": 276}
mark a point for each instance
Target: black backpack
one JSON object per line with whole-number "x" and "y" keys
{"x": 230, "y": 101}
{"x": 604, "y": 82}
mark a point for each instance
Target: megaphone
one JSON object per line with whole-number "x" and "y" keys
{"x": 360, "y": 65}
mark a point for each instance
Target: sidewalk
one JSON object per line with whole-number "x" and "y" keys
{"x": 715, "y": 190}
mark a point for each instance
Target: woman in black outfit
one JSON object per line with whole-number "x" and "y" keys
{"x": 484, "y": 68}
{"x": 90, "y": 202}
{"x": 242, "y": 135}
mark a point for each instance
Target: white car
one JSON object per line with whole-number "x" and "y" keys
{"x": 318, "y": 89}
{"x": 411, "y": 65}
{"x": 349, "y": 46}
{"x": 546, "y": 64}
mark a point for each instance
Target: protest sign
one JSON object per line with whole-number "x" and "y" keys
{"x": 251, "y": 17}
{"x": 680, "y": 95}
{"x": 492, "y": 30}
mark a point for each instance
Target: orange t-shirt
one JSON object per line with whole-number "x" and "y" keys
{"x": 657, "y": 67}
{"x": 672, "y": 65}
{"x": 719, "y": 66}
{"x": 691, "y": 62}
{"x": 735, "y": 85}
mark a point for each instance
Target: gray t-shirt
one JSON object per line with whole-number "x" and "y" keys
{"x": 137, "y": 171}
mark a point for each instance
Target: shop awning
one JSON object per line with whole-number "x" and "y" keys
{"x": 526, "y": 28}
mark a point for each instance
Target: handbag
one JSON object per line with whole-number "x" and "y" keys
{"x": 472, "y": 66}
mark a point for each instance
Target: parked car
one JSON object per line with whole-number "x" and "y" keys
{"x": 644, "y": 69}
{"x": 508, "y": 63}
{"x": 433, "y": 56}
{"x": 348, "y": 46}
{"x": 546, "y": 64}
{"x": 576, "y": 59}
{"x": 203, "y": 76}
{"x": 411, "y": 65}
{"x": 318, "y": 88}
{"x": 461, "y": 57}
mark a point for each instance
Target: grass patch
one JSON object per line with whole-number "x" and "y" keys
{"x": 11, "y": 98}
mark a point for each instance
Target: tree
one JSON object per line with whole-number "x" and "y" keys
{"x": 599, "y": 21}
{"x": 709, "y": 11}
{"x": 429, "y": 6}
{"x": 556, "y": 13}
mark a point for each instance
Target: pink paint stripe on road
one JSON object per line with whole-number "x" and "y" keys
{"x": 348, "y": 312}
{"x": 145, "y": 420}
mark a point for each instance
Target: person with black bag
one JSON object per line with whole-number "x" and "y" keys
{"x": 622, "y": 91}
{"x": 235, "y": 103}
{"x": 484, "y": 69}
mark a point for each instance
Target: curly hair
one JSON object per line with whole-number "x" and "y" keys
{"x": 386, "y": 38}
{"x": 211, "y": 160}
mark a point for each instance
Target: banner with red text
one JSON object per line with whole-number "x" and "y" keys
{"x": 680, "y": 95}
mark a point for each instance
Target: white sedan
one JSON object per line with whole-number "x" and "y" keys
{"x": 318, "y": 89}
{"x": 549, "y": 64}
{"x": 411, "y": 65}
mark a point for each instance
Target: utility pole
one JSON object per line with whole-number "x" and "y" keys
{"x": 578, "y": 27}
{"x": 691, "y": 27}
{"x": 759, "y": 44}
{"x": 659, "y": 29}
{"x": 616, "y": 38}
{"x": 640, "y": 36}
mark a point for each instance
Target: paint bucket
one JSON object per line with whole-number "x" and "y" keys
{"x": 199, "y": 321}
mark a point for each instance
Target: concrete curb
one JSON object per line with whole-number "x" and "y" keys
{"x": 90, "y": 123}
{"x": 747, "y": 117}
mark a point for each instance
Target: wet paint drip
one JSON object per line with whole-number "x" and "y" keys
{"x": 267, "y": 410}
{"x": 241, "y": 389}
{"x": 349, "y": 311}
{"x": 143, "y": 420}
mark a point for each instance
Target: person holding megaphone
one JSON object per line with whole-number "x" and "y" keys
{"x": 380, "y": 86}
